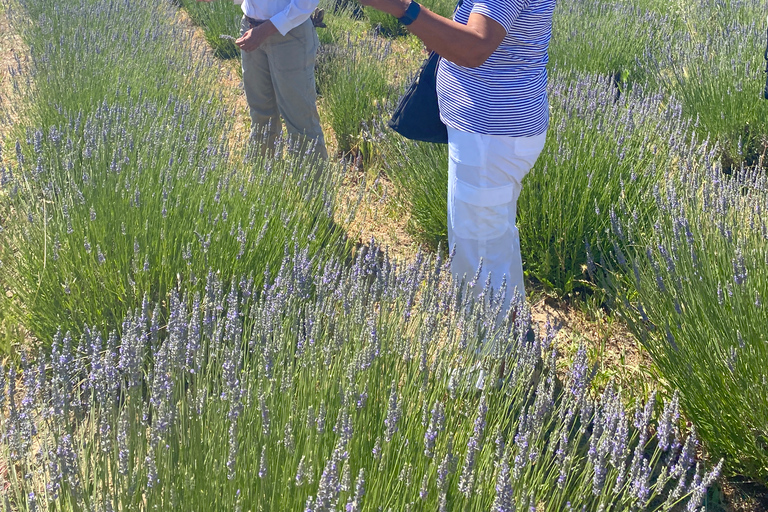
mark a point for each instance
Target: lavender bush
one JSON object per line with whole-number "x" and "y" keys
{"x": 217, "y": 18}
{"x": 606, "y": 38}
{"x": 335, "y": 388}
{"x": 714, "y": 66}
{"x": 85, "y": 52}
{"x": 695, "y": 295}
{"x": 130, "y": 198}
{"x": 353, "y": 81}
{"x": 419, "y": 172}
{"x": 115, "y": 193}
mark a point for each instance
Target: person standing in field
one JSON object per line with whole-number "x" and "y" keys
{"x": 492, "y": 94}
{"x": 279, "y": 45}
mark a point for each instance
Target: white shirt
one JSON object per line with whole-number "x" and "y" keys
{"x": 284, "y": 14}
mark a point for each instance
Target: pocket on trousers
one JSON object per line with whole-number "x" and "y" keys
{"x": 294, "y": 53}
{"x": 480, "y": 213}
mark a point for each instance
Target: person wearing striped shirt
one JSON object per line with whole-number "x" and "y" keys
{"x": 492, "y": 93}
{"x": 279, "y": 47}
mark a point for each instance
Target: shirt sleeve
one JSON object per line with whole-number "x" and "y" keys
{"x": 503, "y": 12}
{"x": 296, "y": 13}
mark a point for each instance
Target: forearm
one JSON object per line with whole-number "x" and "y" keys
{"x": 461, "y": 44}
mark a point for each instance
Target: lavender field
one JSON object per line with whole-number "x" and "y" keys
{"x": 187, "y": 323}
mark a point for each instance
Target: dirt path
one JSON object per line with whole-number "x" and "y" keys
{"x": 11, "y": 49}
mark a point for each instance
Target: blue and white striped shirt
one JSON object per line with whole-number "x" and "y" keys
{"x": 507, "y": 95}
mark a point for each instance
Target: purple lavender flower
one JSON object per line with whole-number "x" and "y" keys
{"x": 393, "y": 414}
{"x": 149, "y": 461}
{"x": 321, "y": 413}
{"x": 467, "y": 477}
{"x": 233, "y": 450}
{"x": 301, "y": 472}
{"x": 436, "y": 425}
{"x": 666, "y": 429}
{"x": 123, "y": 453}
{"x": 263, "y": 462}
{"x": 504, "y": 500}
{"x": 700, "y": 485}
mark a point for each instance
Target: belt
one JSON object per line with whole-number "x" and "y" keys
{"x": 254, "y": 22}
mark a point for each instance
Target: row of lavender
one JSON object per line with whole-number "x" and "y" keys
{"x": 325, "y": 390}
{"x": 124, "y": 178}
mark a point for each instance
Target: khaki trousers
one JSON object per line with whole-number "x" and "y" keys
{"x": 279, "y": 80}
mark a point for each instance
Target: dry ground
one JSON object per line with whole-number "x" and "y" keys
{"x": 11, "y": 45}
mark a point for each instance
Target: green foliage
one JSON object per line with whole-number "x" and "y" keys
{"x": 328, "y": 388}
{"x": 601, "y": 146}
{"x": 719, "y": 77}
{"x": 93, "y": 55}
{"x": 605, "y": 39}
{"x": 419, "y": 171}
{"x": 217, "y": 18}
{"x": 341, "y": 22}
{"x": 383, "y": 23}
{"x": 692, "y": 287}
{"x": 136, "y": 197}
{"x": 444, "y": 8}
{"x": 115, "y": 189}
{"x": 353, "y": 83}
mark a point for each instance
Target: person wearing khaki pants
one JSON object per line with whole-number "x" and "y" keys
{"x": 279, "y": 46}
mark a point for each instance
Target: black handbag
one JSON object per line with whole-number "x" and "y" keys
{"x": 417, "y": 115}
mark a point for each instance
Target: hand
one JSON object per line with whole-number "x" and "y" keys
{"x": 254, "y": 37}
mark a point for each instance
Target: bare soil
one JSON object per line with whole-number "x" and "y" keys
{"x": 11, "y": 47}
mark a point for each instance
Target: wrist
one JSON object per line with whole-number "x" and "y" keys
{"x": 399, "y": 7}
{"x": 412, "y": 12}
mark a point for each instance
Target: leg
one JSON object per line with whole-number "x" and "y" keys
{"x": 292, "y": 66}
{"x": 260, "y": 94}
{"x": 484, "y": 182}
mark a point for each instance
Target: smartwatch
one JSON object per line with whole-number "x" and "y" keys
{"x": 411, "y": 13}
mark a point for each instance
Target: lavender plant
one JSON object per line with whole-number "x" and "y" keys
{"x": 335, "y": 387}
{"x": 694, "y": 295}
{"x": 216, "y": 18}
{"x": 86, "y": 52}
{"x": 419, "y": 172}
{"x": 353, "y": 81}
{"x": 716, "y": 71}
{"x": 132, "y": 198}
{"x": 606, "y": 38}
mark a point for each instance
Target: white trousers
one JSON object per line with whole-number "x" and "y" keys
{"x": 485, "y": 173}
